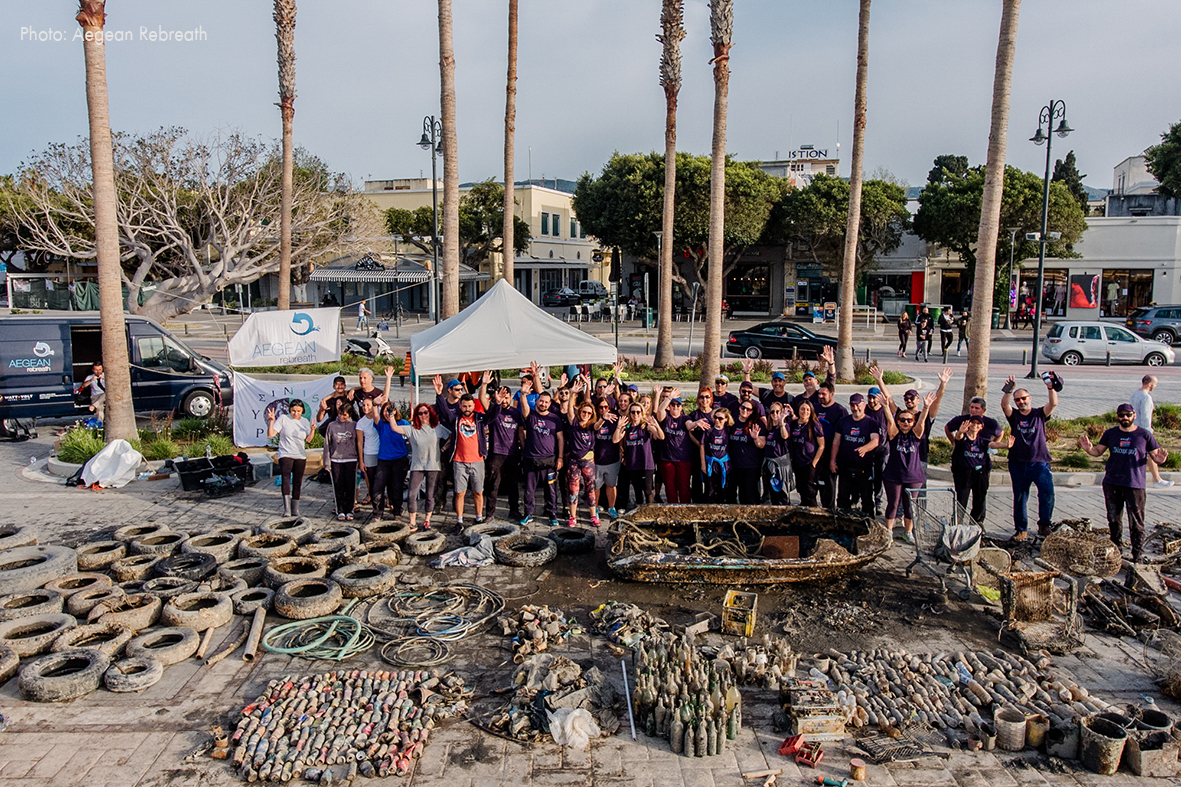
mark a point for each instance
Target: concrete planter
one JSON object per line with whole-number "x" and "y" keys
{"x": 62, "y": 469}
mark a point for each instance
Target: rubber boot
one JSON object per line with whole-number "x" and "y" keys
{"x": 295, "y": 507}
{"x": 286, "y": 505}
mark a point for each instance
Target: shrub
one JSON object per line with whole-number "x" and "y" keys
{"x": 160, "y": 448}
{"x": 939, "y": 451}
{"x": 1167, "y": 416}
{"x": 1053, "y": 429}
{"x": 79, "y": 444}
{"x": 1075, "y": 459}
{"x": 1095, "y": 431}
{"x": 1174, "y": 461}
{"x": 317, "y": 441}
{"x": 219, "y": 445}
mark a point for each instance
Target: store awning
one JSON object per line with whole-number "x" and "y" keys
{"x": 399, "y": 270}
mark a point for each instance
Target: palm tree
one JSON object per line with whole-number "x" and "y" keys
{"x": 976, "y": 379}
{"x": 672, "y": 27}
{"x": 853, "y": 225}
{"x": 120, "y": 416}
{"x": 510, "y": 129}
{"x": 449, "y": 265}
{"x": 285, "y": 34}
{"x": 721, "y": 25}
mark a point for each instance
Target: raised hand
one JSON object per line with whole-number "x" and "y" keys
{"x": 486, "y": 377}
{"x": 1084, "y": 442}
{"x": 564, "y": 380}
{"x": 610, "y": 417}
{"x": 438, "y": 383}
{"x": 617, "y": 367}
{"x": 535, "y": 370}
{"x": 826, "y": 355}
{"x": 747, "y": 365}
{"x": 675, "y": 393}
{"x": 753, "y": 430}
{"x": 389, "y": 372}
{"x": 929, "y": 400}
{"x": 945, "y": 375}
{"x": 270, "y": 413}
{"x": 875, "y": 371}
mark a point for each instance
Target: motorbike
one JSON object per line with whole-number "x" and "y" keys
{"x": 372, "y": 347}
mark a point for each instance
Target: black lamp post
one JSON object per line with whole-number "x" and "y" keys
{"x": 1054, "y": 111}
{"x": 432, "y": 129}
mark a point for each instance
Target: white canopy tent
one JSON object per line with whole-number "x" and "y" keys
{"x": 503, "y": 330}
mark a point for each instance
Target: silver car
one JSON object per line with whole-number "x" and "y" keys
{"x": 1072, "y": 343}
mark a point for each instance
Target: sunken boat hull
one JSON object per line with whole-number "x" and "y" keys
{"x": 741, "y": 545}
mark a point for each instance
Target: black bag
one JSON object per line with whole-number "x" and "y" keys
{"x": 18, "y": 428}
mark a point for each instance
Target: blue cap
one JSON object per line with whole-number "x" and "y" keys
{"x": 634, "y": 388}
{"x": 675, "y": 400}
{"x": 778, "y": 376}
{"x": 810, "y": 374}
{"x": 452, "y": 383}
{"x": 875, "y": 391}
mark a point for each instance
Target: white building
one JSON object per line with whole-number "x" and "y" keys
{"x": 802, "y": 164}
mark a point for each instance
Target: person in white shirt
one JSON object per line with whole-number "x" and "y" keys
{"x": 1142, "y": 401}
{"x": 294, "y": 432}
{"x": 98, "y": 390}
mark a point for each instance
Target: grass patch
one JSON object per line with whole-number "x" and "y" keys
{"x": 1173, "y": 462}
{"x": 939, "y": 451}
{"x": 1075, "y": 460}
{"x": 79, "y": 444}
{"x": 160, "y": 449}
{"x": 190, "y": 428}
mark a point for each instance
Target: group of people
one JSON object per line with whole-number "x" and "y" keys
{"x": 924, "y": 327}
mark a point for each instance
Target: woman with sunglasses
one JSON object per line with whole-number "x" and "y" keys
{"x": 777, "y": 455}
{"x": 635, "y": 433}
{"x": 807, "y": 450}
{"x": 580, "y": 461}
{"x": 700, "y": 421}
{"x": 715, "y": 456}
{"x": 747, "y": 444}
{"x": 676, "y": 456}
{"x": 971, "y": 464}
{"x": 904, "y": 468}
{"x": 425, "y": 434}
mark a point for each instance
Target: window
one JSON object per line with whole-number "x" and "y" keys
{"x": 830, "y": 170}
{"x": 573, "y": 227}
{"x": 157, "y": 352}
{"x": 1073, "y": 332}
{"x": 581, "y": 232}
{"x": 544, "y": 223}
{"x": 1118, "y": 334}
{"x": 557, "y": 225}
{"x": 1056, "y": 331}
{"x": 1091, "y": 332}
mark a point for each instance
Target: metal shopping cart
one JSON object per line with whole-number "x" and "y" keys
{"x": 944, "y": 533}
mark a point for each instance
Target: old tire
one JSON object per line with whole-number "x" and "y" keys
{"x": 27, "y": 568}
{"x": 99, "y": 554}
{"x": 135, "y": 674}
{"x": 63, "y": 676}
{"x": 165, "y": 544}
{"x": 308, "y": 598}
{"x": 297, "y": 528}
{"x": 572, "y": 539}
{"x": 389, "y": 554}
{"x": 250, "y": 599}
{"x": 237, "y": 531}
{"x": 80, "y": 604}
{"x": 525, "y": 550}
{"x": 9, "y": 663}
{"x": 166, "y": 645}
{"x": 76, "y": 583}
{"x": 331, "y": 555}
{"x": 249, "y": 569}
{"x": 266, "y": 545}
{"x": 137, "y": 612}
{"x": 169, "y": 587}
{"x": 289, "y": 569}
{"x": 129, "y": 533}
{"x": 30, "y": 602}
{"x": 383, "y": 533}
{"x": 345, "y": 536}
{"x": 494, "y": 530}
{"x": 133, "y": 587}
{"x": 194, "y": 566}
{"x": 198, "y": 611}
{"x": 362, "y": 580}
{"x": 35, "y": 634}
{"x": 134, "y": 567}
{"x": 110, "y": 638}
{"x": 12, "y": 536}
{"x": 424, "y": 542}
{"x": 222, "y": 546}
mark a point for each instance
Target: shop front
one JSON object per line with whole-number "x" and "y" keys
{"x": 813, "y": 288}
{"x": 748, "y": 289}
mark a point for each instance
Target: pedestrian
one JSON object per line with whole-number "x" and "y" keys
{"x": 905, "y": 326}
{"x": 635, "y": 434}
{"x": 341, "y": 454}
{"x": 580, "y": 461}
{"x": 503, "y": 467}
{"x": 723, "y": 399}
{"x": 1124, "y": 479}
{"x": 946, "y": 327}
{"x": 370, "y": 442}
{"x": 856, "y": 437}
{"x": 715, "y": 456}
{"x": 1145, "y": 407}
{"x": 393, "y": 462}
{"x": 1029, "y": 458}
{"x": 607, "y": 455}
{"x": 904, "y": 470}
{"x": 807, "y": 450}
{"x": 542, "y": 453}
{"x": 426, "y": 435}
{"x": 676, "y": 456}
{"x": 777, "y": 475}
{"x": 971, "y": 463}
{"x": 294, "y": 432}
{"x": 467, "y": 449}
{"x": 830, "y": 414}
{"x": 96, "y": 381}
{"x": 924, "y": 328}
{"x": 964, "y": 324}
{"x": 747, "y": 444}
{"x": 363, "y": 315}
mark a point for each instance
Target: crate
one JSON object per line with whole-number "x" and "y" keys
{"x": 738, "y": 613}
{"x": 232, "y": 465}
{"x": 193, "y": 473}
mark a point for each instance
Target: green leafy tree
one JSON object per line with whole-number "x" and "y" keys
{"x": 1066, "y": 171}
{"x": 1164, "y": 162}
{"x": 947, "y": 164}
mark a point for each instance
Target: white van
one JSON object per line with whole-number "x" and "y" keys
{"x": 591, "y": 290}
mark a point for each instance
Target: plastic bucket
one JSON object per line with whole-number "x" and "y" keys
{"x": 1101, "y": 745}
{"x": 1036, "y": 728}
{"x": 1062, "y": 742}
{"x": 1010, "y": 730}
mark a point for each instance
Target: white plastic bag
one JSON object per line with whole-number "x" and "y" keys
{"x": 573, "y": 728}
{"x": 112, "y": 467}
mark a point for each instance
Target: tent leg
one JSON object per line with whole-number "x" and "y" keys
{"x": 414, "y": 392}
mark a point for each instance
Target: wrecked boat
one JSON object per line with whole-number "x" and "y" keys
{"x": 740, "y": 545}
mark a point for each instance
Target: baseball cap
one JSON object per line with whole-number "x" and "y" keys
{"x": 778, "y": 376}
{"x": 875, "y": 391}
{"x": 810, "y": 374}
{"x": 856, "y": 399}
{"x": 675, "y": 400}
{"x": 452, "y": 383}
{"x": 747, "y": 385}
{"x": 633, "y": 388}
{"x": 721, "y": 378}
{"x": 1125, "y": 408}
{"x": 911, "y": 394}
{"x": 976, "y": 420}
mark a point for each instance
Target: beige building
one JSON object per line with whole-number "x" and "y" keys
{"x": 801, "y": 165}
{"x": 560, "y": 253}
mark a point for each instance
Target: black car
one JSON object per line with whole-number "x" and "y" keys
{"x": 561, "y": 297}
{"x": 777, "y": 340}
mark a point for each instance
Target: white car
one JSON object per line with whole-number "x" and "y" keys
{"x": 1072, "y": 343}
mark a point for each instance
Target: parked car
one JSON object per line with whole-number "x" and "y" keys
{"x": 777, "y": 340}
{"x": 561, "y": 297}
{"x": 1159, "y": 323}
{"x": 1072, "y": 343}
{"x": 592, "y": 290}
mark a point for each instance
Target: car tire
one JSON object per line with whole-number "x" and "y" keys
{"x": 167, "y": 588}
{"x": 753, "y": 352}
{"x": 163, "y": 544}
{"x": 331, "y": 555}
{"x": 289, "y": 569}
{"x": 266, "y": 545}
{"x": 137, "y": 612}
{"x": 345, "y": 536}
{"x": 389, "y": 554}
{"x": 572, "y": 539}
{"x": 296, "y": 528}
{"x": 1155, "y": 359}
{"x": 250, "y": 569}
{"x": 1164, "y": 337}
{"x": 250, "y": 599}
{"x": 99, "y": 554}
{"x": 198, "y": 404}
{"x": 63, "y": 676}
{"x": 383, "y": 533}
{"x": 110, "y": 638}
{"x": 1071, "y": 358}
{"x": 9, "y": 663}
{"x": 30, "y": 602}
{"x": 80, "y": 604}
{"x": 167, "y": 645}
{"x": 35, "y": 634}
{"x": 198, "y": 611}
{"x": 76, "y": 583}
{"x": 194, "y": 566}
{"x": 131, "y": 533}
{"x": 308, "y": 598}
{"x": 28, "y": 568}
{"x": 525, "y": 550}
{"x": 426, "y": 542}
{"x": 134, "y": 567}
{"x": 220, "y": 545}
{"x": 494, "y": 530}
{"x": 362, "y": 580}
{"x": 12, "y": 536}
{"x": 137, "y": 674}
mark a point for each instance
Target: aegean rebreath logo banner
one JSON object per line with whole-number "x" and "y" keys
{"x": 286, "y": 338}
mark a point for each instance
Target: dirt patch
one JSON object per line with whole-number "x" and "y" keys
{"x": 478, "y": 750}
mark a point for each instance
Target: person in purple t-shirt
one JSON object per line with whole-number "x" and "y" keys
{"x": 807, "y": 443}
{"x": 676, "y": 460}
{"x": 636, "y": 433}
{"x": 830, "y": 414}
{"x": 1029, "y": 458}
{"x": 542, "y": 452}
{"x": 715, "y": 456}
{"x": 777, "y": 454}
{"x": 1124, "y": 481}
{"x": 503, "y": 468}
{"x": 856, "y": 437}
{"x": 746, "y": 453}
{"x": 607, "y": 459}
{"x": 904, "y": 468}
{"x": 580, "y": 461}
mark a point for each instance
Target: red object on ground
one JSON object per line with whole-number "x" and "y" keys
{"x": 791, "y": 744}
{"x": 810, "y": 754}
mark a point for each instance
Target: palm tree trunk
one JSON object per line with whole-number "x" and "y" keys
{"x": 120, "y": 415}
{"x": 853, "y": 225}
{"x": 284, "y": 16}
{"x": 672, "y": 17}
{"x": 721, "y": 33}
{"x": 449, "y": 264}
{"x": 976, "y": 380}
{"x": 510, "y": 131}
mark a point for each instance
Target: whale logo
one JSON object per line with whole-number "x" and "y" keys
{"x": 305, "y": 319}
{"x": 41, "y": 349}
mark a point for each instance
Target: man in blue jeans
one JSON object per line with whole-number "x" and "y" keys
{"x": 1029, "y": 455}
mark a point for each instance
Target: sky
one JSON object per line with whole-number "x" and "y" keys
{"x": 367, "y": 73}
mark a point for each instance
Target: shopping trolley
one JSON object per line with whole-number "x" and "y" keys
{"x": 944, "y": 532}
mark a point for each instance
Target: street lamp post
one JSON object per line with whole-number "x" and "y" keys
{"x": 659, "y": 257}
{"x": 1055, "y": 110}
{"x": 432, "y": 129}
{"x": 1012, "y": 285}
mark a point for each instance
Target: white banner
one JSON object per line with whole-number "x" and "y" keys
{"x": 252, "y": 398}
{"x": 287, "y": 338}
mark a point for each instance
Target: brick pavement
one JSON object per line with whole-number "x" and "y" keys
{"x": 141, "y": 740}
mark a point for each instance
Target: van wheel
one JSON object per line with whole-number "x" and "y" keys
{"x": 198, "y": 404}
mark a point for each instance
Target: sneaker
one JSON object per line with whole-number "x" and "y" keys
{"x": 1164, "y": 482}
{"x": 612, "y": 513}
{"x": 525, "y": 520}
{"x": 481, "y": 520}
{"x": 571, "y": 523}
{"x": 595, "y": 521}
{"x": 555, "y": 523}
{"x": 459, "y": 523}
{"x": 908, "y": 537}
